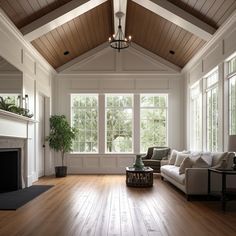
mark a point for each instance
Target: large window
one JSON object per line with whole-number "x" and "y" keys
{"x": 115, "y": 115}
{"x": 196, "y": 117}
{"x": 212, "y": 111}
{"x": 84, "y": 117}
{"x": 232, "y": 96}
{"x": 153, "y": 119}
{"x": 119, "y": 123}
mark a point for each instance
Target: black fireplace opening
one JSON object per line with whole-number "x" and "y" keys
{"x": 10, "y": 169}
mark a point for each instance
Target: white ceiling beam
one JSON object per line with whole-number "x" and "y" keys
{"x": 179, "y": 17}
{"x": 119, "y": 5}
{"x": 58, "y": 17}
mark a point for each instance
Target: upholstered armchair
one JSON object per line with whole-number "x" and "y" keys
{"x": 154, "y": 156}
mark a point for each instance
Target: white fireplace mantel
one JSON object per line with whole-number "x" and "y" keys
{"x": 14, "y": 125}
{"x": 17, "y": 131}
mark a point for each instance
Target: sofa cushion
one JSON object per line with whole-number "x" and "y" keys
{"x": 217, "y": 157}
{"x": 173, "y": 172}
{"x": 200, "y": 163}
{"x": 186, "y": 163}
{"x": 160, "y": 153}
{"x": 180, "y": 157}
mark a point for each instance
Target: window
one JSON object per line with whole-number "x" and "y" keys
{"x": 84, "y": 117}
{"x": 153, "y": 119}
{"x": 232, "y": 66}
{"x": 119, "y": 123}
{"x": 232, "y": 105}
{"x": 212, "y": 111}
{"x": 196, "y": 117}
{"x": 232, "y": 95}
{"x": 117, "y": 114}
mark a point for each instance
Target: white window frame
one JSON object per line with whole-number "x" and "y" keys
{"x": 71, "y": 118}
{"x": 105, "y": 117}
{"x": 197, "y": 88}
{"x": 230, "y": 75}
{"x": 166, "y": 95}
{"x": 207, "y": 90}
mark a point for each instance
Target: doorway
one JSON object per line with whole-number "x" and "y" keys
{"x": 41, "y": 135}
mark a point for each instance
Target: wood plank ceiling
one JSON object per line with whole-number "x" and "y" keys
{"x": 93, "y": 28}
{"x": 77, "y": 36}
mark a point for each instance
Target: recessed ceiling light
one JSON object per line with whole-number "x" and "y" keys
{"x": 172, "y": 52}
{"x": 66, "y": 53}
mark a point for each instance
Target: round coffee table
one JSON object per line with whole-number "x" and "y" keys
{"x": 139, "y": 177}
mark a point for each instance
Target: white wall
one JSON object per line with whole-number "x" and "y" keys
{"x": 213, "y": 55}
{"x": 133, "y": 70}
{"x": 36, "y": 75}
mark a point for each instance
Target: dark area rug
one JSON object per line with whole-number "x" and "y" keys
{"x": 15, "y": 199}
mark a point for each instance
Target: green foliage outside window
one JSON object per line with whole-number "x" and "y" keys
{"x": 232, "y": 105}
{"x": 212, "y": 119}
{"x": 85, "y": 120}
{"x": 119, "y": 125}
{"x": 153, "y": 117}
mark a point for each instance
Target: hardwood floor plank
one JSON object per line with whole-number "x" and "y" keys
{"x": 102, "y": 205}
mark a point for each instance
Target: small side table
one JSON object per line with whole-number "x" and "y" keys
{"x": 224, "y": 191}
{"x": 139, "y": 177}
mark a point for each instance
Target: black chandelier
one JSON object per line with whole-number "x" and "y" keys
{"x": 119, "y": 41}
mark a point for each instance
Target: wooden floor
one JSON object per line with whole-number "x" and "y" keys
{"x": 103, "y": 205}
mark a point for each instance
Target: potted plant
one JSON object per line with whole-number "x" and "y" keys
{"x": 60, "y": 139}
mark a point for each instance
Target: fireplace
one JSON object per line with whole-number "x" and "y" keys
{"x": 10, "y": 169}
{"x": 17, "y": 132}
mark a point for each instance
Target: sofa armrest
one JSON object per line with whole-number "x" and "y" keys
{"x": 145, "y": 157}
{"x": 196, "y": 180}
{"x": 164, "y": 162}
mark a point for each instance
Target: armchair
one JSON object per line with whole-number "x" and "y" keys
{"x": 153, "y": 158}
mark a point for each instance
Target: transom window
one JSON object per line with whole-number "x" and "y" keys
{"x": 84, "y": 117}
{"x": 153, "y": 120}
{"x": 232, "y": 66}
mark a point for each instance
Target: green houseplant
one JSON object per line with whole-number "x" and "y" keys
{"x": 60, "y": 139}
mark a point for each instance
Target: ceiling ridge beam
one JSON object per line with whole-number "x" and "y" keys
{"x": 58, "y": 17}
{"x": 178, "y": 16}
{"x": 120, "y": 5}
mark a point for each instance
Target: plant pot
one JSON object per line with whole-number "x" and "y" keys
{"x": 60, "y": 171}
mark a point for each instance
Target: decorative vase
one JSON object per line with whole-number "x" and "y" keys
{"x": 138, "y": 162}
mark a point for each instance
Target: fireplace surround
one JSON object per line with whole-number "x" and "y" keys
{"x": 17, "y": 132}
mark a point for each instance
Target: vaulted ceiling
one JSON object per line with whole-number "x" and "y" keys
{"x": 62, "y": 30}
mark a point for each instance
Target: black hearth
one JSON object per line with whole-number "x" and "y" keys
{"x": 10, "y": 169}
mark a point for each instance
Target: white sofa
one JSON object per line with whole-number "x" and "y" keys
{"x": 194, "y": 181}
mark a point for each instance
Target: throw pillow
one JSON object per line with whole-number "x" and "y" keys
{"x": 180, "y": 157}
{"x": 186, "y": 163}
{"x": 217, "y": 157}
{"x": 207, "y": 157}
{"x": 200, "y": 163}
{"x": 173, "y": 157}
{"x": 158, "y": 153}
{"x": 195, "y": 155}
